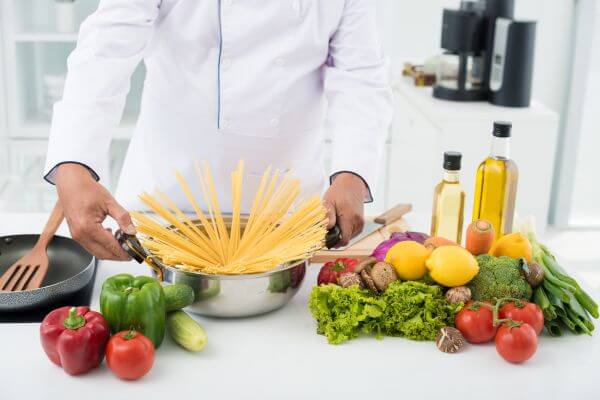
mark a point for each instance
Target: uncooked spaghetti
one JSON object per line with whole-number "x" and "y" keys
{"x": 279, "y": 228}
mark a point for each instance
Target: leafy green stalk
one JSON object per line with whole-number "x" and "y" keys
{"x": 580, "y": 327}
{"x": 568, "y": 323}
{"x": 558, "y": 292}
{"x": 553, "y": 328}
{"x": 549, "y": 275}
{"x": 557, "y": 304}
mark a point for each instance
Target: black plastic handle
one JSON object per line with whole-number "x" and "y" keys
{"x": 333, "y": 237}
{"x": 131, "y": 245}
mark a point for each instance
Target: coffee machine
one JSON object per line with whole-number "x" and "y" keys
{"x": 487, "y": 54}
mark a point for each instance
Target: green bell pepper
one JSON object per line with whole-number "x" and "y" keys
{"x": 129, "y": 302}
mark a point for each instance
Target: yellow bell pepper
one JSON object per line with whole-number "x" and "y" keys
{"x": 514, "y": 245}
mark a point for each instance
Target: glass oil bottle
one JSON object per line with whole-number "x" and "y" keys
{"x": 449, "y": 201}
{"x": 496, "y": 183}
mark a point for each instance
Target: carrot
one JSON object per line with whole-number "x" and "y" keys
{"x": 434, "y": 242}
{"x": 480, "y": 236}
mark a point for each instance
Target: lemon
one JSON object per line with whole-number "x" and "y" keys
{"x": 452, "y": 266}
{"x": 408, "y": 259}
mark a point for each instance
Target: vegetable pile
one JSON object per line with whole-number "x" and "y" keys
{"x": 138, "y": 311}
{"x": 414, "y": 310}
{"x": 430, "y": 288}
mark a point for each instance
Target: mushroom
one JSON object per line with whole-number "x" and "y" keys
{"x": 449, "y": 340}
{"x": 349, "y": 279}
{"x": 534, "y": 274}
{"x": 364, "y": 263}
{"x": 378, "y": 276}
{"x": 368, "y": 280}
{"x": 383, "y": 274}
{"x": 458, "y": 294}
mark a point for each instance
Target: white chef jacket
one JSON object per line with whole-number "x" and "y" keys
{"x": 226, "y": 80}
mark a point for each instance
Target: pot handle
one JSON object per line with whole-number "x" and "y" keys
{"x": 132, "y": 246}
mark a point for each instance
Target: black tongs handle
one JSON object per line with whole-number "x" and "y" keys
{"x": 131, "y": 245}
{"x": 333, "y": 237}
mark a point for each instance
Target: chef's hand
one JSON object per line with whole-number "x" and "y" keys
{"x": 86, "y": 203}
{"x": 344, "y": 203}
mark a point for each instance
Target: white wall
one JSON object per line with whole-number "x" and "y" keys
{"x": 411, "y": 31}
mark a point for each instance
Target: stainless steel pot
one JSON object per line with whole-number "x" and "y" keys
{"x": 226, "y": 295}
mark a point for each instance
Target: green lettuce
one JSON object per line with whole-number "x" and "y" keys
{"x": 411, "y": 309}
{"x": 342, "y": 314}
{"x": 416, "y": 310}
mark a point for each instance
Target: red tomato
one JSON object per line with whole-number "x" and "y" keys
{"x": 529, "y": 313}
{"x": 517, "y": 343}
{"x": 129, "y": 355}
{"x": 476, "y": 322}
{"x": 331, "y": 271}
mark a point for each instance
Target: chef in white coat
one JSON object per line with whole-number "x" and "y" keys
{"x": 225, "y": 80}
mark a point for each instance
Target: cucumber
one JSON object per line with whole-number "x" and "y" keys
{"x": 185, "y": 331}
{"x": 178, "y": 296}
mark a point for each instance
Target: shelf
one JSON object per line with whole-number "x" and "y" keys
{"x": 44, "y": 37}
{"x": 440, "y": 112}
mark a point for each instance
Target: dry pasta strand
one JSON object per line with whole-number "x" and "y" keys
{"x": 279, "y": 229}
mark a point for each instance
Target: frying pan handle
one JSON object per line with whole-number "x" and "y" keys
{"x": 132, "y": 246}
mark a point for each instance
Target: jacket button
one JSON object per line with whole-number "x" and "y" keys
{"x": 275, "y": 122}
{"x": 280, "y": 62}
{"x": 226, "y": 63}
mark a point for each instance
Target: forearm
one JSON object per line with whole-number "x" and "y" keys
{"x": 358, "y": 92}
{"x": 111, "y": 44}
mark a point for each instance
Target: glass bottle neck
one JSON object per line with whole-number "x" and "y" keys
{"x": 451, "y": 176}
{"x": 500, "y": 148}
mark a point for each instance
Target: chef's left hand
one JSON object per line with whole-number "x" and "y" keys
{"x": 344, "y": 203}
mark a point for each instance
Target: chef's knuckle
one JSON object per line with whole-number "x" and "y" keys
{"x": 122, "y": 216}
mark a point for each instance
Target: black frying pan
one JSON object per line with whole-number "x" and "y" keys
{"x": 71, "y": 268}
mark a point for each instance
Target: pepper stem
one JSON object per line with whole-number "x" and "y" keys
{"x": 129, "y": 335}
{"x": 74, "y": 321}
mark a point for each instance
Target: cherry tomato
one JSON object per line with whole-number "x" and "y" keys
{"x": 524, "y": 311}
{"x": 476, "y": 322}
{"x": 516, "y": 342}
{"x": 129, "y": 355}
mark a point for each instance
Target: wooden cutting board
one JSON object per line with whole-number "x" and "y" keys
{"x": 364, "y": 247}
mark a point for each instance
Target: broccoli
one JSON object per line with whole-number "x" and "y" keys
{"x": 499, "y": 277}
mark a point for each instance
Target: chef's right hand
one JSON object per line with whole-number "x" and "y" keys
{"x": 86, "y": 204}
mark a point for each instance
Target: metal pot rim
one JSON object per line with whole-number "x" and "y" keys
{"x": 279, "y": 268}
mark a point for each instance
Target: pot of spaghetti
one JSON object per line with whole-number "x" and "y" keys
{"x": 219, "y": 295}
{"x": 238, "y": 265}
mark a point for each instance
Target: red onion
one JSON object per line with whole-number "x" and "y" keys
{"x": 381, "y": 250}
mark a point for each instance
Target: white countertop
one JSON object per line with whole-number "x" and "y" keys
{"x": 279, "y": 356}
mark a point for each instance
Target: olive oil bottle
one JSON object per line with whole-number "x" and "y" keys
{"x": 449, "y": 201}
{"x": 496, "y": 183}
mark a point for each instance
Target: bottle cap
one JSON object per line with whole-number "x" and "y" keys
{"x": 452, "y": 160}
{"x": 502, "y": 129}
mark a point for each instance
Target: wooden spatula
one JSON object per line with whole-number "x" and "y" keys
{"x": 29, "y": 271}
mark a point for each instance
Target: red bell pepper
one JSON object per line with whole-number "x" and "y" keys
{"x": 75, "y": 338}
{"x": 331, "y": 271}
